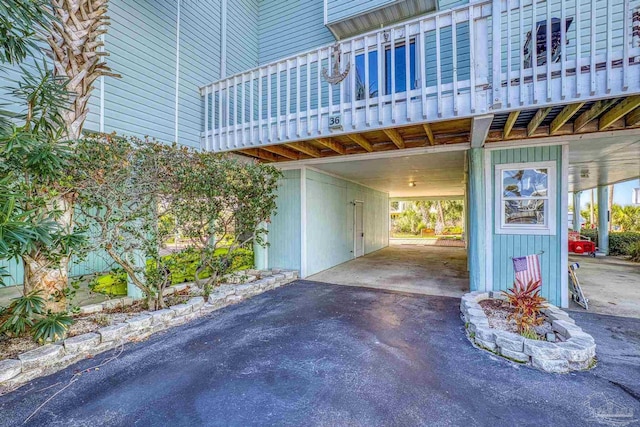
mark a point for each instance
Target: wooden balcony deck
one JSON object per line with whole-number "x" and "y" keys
{"x": 586, "y": 80}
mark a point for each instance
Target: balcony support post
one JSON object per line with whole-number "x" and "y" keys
{"x": 496, "y": 53}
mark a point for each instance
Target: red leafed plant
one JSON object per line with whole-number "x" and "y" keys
{"x": 527, "y": 304}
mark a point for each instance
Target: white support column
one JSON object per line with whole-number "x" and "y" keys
{"x": 260, "y": 252}
{"x": 576, "y": 210}
{"x": 140, "y": 262}
{"x": 303, "y": 222}
{"x": 603, "y": 219}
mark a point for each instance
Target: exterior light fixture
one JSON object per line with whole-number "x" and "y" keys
{"x": 412, "y": 183}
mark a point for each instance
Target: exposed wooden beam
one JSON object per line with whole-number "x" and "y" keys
{"x": 282, "y": 151}
{"x": 427, "y": 130}
{"x": 633, "y": 118}
{"x": 480, "y": 129}
{"x": 331, "y": 144}
{"x": 620, "y": 110}
{"x": 537, "y": 120}
{"x": 564, "y": 116}
{"x": 592, "y": 113}
{"x": 260, "y": 154}
{"x": 395, "y": 137}
{"x": 511, "y": 120}
{"x": 305, "y": 147}
{"x": 361, "y": 141}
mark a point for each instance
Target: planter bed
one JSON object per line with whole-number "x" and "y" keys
{"x": 114, "y": 324}
{"x": 563, "y": 346}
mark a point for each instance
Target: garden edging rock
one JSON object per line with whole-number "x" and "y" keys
{"x": 54, "y": 357}
{"x": 577, "y": 351}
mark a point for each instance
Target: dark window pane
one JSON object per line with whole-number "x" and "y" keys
{"x": 373, "y": 76}
{"x": 400, "y": 68}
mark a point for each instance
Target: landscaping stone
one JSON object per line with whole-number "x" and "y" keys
{"x": 9, "y": 368}
{"x": 279, "y": 277}
{"x": 565, "y": 328}
{"x": 485, "y": 333}
{"x": 162, "y": 316}
{"x": 84, "y": 343}
{"x": 551, "y": 365}
{"x": 196, "y": 303}
{"x": 517, "y": 356}
{"x": 233, "y": 299}
{"x": 271, "y": 280}
{"x": 117, "y": 303}
{"x": 509, "y": 341}
{"x": 139, "y": 322}
{"x": 169, "y": 291}
{"x": 574, "y": 352}
{"x": 41, "y": 357}
{"x": 181, "y": 309}
{"x": 475, "y": 312}
{"x": 489, "y": 345}
{"x": 542, "y": 349}
{"x": 114, "y": 332}
{"x": 90, "y": 309}
{"x": 288, "y": 274}
{"x": 180, "y": 287}
{"x": 550, "y": 336}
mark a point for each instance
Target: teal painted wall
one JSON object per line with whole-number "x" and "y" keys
{"x": 338, "y": 10}
{"x": 284, "y": 230}
{"x": 287, "y": 27}
{"x": 506, "y": 246}
{"x": 330, "y": 216}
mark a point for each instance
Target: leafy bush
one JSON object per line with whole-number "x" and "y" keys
{"x": 26, "y": 314}
{"x": 634, "y": 251}
{"x": 52, "y": 327}
{"x": 182, "y": 268}
{"x": 453, "y": 230}
{"x": 527, "y": 304}
{"x": 619, "y": 243}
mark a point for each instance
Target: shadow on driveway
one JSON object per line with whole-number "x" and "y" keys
{"x": 317, "y": 354}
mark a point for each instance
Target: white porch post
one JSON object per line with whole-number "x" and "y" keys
{"x": 603, "y": 219}
{"x": 140, "y": 262}
{"x": 476, "y": 212}
{"x": 576, "y": 210}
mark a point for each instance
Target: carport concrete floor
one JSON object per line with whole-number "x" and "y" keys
{"x": 611, "y": 284}
{"x": 317, "y": 354}
{"x": 429, "y": 270}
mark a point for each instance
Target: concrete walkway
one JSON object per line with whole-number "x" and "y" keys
{"x": 429, "y": 270}
{"x": 611, "y": 284}
{"x": 315, "y": 355}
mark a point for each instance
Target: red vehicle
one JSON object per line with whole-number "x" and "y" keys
{"x": 581, "y": 244}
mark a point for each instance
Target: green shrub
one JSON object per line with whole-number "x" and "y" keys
{"x": 182, "y": 268}
{"x": 52, "y": 327}
{"x": 619, "y": 243}
{"x": 634, "y": 251}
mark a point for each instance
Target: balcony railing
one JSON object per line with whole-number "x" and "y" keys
{"x": 544, "y": 53}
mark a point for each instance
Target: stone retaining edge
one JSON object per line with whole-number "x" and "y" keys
{"x": 576, "y": 353}
{"x": 50, "y": 358}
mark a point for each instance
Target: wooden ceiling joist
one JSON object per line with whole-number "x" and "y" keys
{"x": 332, "y": 145}
{"x": 619, "y": 111}
{"x": 633, "y": 118}
{"x": 260, "y": 154}
{"x": 282, "y": 151}
{"x": 592, "y": 113}
{"x": 537, "y": 120}
{"x": 427, "y": 130}
{"x": 511, "y": 120}
{"x": 395, "y": 137}
{"x": 305, "y": 147}
{"x": 361, "y": 141}
{"x": 564, "y": 116}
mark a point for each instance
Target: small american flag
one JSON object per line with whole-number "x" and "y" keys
{"x": 527, "y": 268}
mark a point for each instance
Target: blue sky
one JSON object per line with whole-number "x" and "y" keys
{"x": 621, "y": 193}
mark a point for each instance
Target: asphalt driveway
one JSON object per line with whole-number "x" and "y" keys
{"x": 317, "y": 354}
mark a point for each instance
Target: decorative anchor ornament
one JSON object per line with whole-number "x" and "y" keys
{"x": 336, "y": 76}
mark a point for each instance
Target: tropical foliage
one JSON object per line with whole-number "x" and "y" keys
{"x": 527, "y": 304}
{"x": 443, "y": 217}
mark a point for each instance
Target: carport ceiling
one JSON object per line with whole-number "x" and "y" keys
{"x": 435, "y": 174}
{"x": 603, "y": 160}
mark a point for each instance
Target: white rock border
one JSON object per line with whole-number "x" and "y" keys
{"x": 577, "y": 351}
{"x": 50, "y": 358}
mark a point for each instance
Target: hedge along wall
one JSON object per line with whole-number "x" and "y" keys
{"x": 619, "y": 243}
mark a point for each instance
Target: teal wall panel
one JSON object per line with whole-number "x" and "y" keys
{"x": 506, "y": 246}
{"x": 330, "y": 220}
{"x": 339, "y": 10}
{"x": 287, "y": 27}
{"x": 284, "y": 230}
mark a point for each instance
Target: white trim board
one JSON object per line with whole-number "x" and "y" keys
{"x": 564, "y": 235}
{"x": 303, "y": 223}
{"x": 488, "y": 221}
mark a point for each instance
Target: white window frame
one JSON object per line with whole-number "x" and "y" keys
{"x": 547, "y": 229}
